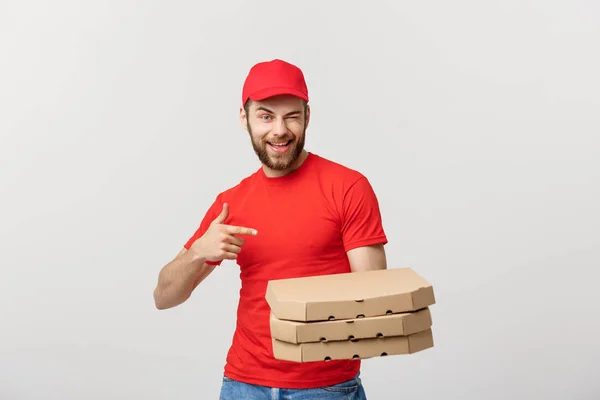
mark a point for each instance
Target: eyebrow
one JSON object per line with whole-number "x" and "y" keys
{"x": 261, "y": 108}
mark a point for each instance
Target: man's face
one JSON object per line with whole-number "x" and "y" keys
{"x": 277, "y": 128}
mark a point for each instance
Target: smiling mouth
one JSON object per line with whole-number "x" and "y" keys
{"x": 280, "y": 144}
{"x": 281, "y": 147}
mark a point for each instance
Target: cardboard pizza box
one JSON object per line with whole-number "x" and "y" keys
{"x": 353, "y": 349}
{"x": 401, "y": 324}
{"x": 349, "y": 295}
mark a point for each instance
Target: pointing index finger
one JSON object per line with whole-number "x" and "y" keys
{"x": 240, "y": 230}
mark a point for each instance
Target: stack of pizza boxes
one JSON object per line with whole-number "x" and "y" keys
{"x": 350, "y": 315}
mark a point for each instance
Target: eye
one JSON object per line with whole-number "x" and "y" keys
{"x": 265, "y": 117}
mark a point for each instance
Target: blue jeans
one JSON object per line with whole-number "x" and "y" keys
{"x": 349, "y": 390}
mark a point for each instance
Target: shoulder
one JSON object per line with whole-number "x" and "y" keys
{"x": 238, "y": 189}
{"x": 336, "y": 172}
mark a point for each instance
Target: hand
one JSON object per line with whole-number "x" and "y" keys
{"x": 218, "y": 242}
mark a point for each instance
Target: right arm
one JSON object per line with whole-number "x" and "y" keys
{"x": 178, "y": 279}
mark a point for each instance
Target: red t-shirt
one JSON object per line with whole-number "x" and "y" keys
{"x": 306, "y": 222}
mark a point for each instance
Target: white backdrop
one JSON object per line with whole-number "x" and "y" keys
{"x": 476, "y": 122}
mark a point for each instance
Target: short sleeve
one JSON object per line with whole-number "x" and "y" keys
{"x": 212, "y": 213}
{"x": 361, "y": 217}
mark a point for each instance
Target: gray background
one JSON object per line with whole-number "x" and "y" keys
{"x": 476, "y": 122}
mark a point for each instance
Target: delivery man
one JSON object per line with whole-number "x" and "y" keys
{"x": 298, "y": 215}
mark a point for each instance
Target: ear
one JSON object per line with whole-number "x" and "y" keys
{"x": 307, "y": 115}
{"x": 243, "y": 118}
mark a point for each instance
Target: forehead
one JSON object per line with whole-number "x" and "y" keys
{"x": 281, "y": 103}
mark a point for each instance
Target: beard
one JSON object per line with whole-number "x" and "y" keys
{"x": 278, "y": 162}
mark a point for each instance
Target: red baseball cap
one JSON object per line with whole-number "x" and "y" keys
{"x": 272, "y": 78}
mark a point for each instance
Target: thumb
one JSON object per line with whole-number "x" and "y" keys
{"x": 223, "y": 216}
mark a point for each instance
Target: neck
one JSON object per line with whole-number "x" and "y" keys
{"x": 275, "y": 174}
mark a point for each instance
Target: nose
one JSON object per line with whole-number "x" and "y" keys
{"x": 279, "y": 127}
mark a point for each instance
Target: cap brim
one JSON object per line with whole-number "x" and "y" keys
{"x": 270, "y": 92}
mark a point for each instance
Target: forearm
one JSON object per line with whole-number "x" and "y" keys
{"x": 177, "y": 280}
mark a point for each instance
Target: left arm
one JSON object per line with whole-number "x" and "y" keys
{"x": 367, "y": 258}
{"x": 362, "y": 228}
